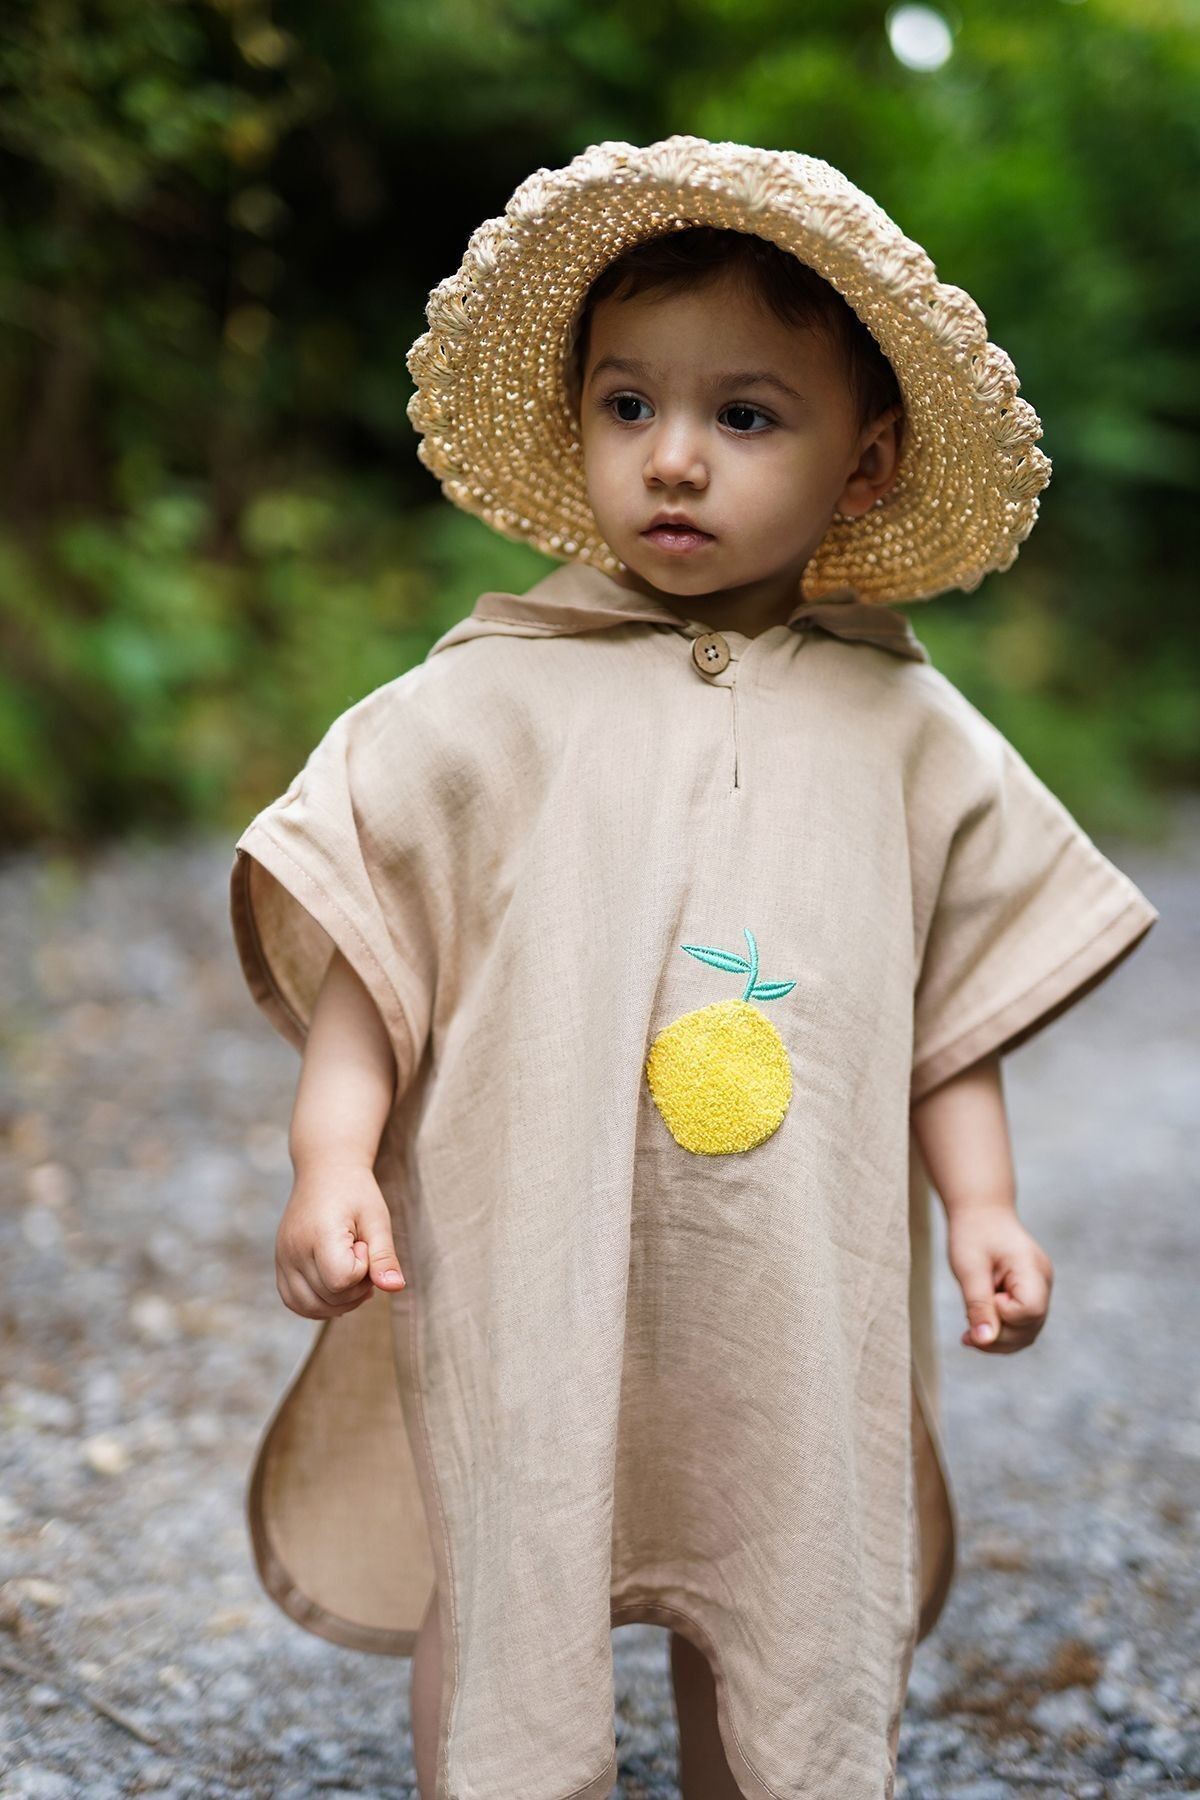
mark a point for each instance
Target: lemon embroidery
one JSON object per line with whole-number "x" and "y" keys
{"x": 720, "y": 1076}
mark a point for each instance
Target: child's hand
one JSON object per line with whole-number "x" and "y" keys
{"x": 1004, "y": 1274}
{"x": 334, "y": 1244}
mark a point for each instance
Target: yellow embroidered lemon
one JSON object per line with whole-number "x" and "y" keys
{"x": 720, "y": 1076}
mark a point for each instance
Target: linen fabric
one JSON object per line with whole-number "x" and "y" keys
{"x": 628, "y": 1380}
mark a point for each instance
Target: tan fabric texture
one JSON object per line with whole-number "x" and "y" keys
{"x": 628, "y": 1380}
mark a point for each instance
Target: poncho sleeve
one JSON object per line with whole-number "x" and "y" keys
{"x": 1027, "y": 915}
{"x": 335, "y": 861}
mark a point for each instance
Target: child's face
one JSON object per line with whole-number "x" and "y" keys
{"x": 759, "y": 469}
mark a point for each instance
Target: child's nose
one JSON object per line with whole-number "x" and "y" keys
{"x": 676, "y": 455}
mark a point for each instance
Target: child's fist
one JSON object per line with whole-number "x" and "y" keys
{"x": 1004, "y": 1274}
{"x": 334, "y": 1244}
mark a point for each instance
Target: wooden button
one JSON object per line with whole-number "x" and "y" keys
{"x": 710, "y": 653}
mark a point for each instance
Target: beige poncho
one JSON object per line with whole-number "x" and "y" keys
{"x": 668, "y": 928}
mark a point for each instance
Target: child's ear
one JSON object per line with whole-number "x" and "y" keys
{"x": 884, "y": 437}
{"x": 878, "y": 464}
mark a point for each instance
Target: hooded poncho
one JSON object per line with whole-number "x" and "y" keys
{"x": 668, "y": 927}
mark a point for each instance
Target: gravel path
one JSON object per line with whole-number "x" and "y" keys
{"x": 143, "y": 1160}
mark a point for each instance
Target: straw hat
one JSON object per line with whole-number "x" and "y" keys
{"x": 500, "y": 433}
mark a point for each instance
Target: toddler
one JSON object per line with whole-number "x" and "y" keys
{"x": 651, "y": 946}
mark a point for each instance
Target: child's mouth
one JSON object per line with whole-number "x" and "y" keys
{"x": 677, "y": 537}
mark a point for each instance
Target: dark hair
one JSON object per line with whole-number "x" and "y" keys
{"x": 794, "y": 292}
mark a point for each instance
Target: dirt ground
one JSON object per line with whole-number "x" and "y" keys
{"x": 143, "y": 1167}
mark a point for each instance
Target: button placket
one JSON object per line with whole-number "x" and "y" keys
{"x": 714, "y": 659}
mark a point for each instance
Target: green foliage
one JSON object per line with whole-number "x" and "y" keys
{"x": 219, "y": 229}
{"x": 1105, "y": 732}
{"x": 148, "y": 680}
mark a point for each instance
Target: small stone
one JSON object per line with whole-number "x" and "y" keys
{"x": 230, "y": 1618}
{"x": 205, "y": 1430}
{"x": 49, "y": 1184}
{"x": 1113, "y": 1698}
{"x": 1154, "y": 1706}
{"x": 1000, "y": 1553}
{"x": 31, "y": 1781}
{"x": 155, "y": 1433}
{"x": 1142, "y": 1775}
{"x": 295, "y": 1737}
{"x": 329, "y": 1752}
{"x": 102, "y": 1395}
{"x": 37, "y": 1590}
{"x": 29, "y": 1137}
{"x": 1064, "y": 1711}
{"x": 157, "y": 1773}
{"x": 941, "y": 1739}
{"x": 1185, "y": 1438}
{"x": 40, "y": 1229}
{"x": 41, "y": 1409}
{"x": 229, "y": 1693}
{"x": 153, "y": 1318}
{"x": 106, "y": 1454}
{"x": 1169, "y": 1746}
{"x": 178, "y": 1681}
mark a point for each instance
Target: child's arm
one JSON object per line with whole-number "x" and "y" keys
{"x": 1004, "y": 1274}
{"x": 334, "y": 1243}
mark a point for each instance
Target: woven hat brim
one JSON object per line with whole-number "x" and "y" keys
{"x": 492, "y": 402}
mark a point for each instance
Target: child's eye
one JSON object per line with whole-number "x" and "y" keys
{"x": 740, "y": 406}
{"x": 615, "y": 400}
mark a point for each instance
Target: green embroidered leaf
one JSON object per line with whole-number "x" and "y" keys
{"x": 770, "y": 990}
{"x": 720, "y": 959}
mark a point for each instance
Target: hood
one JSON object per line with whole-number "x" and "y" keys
{"x": 575, "y": 597}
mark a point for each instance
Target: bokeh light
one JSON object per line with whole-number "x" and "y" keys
{"x": 920, "y": 37}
